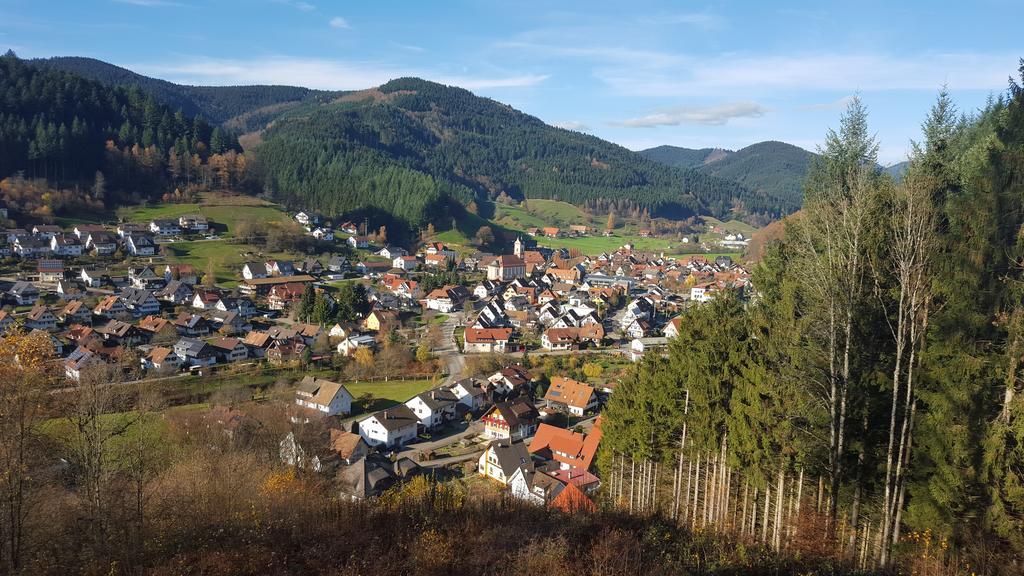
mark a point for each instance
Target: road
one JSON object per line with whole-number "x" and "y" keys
{"x": 448, "y": 352}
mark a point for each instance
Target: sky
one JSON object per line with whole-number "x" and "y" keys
{"x": 639, "y": 73}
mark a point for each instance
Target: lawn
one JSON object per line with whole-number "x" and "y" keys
{"x": 592, "y": 245}
{"x": 222, "y": 211}
{"x": 540, "y": 213}
{"x": 227, "y": 258}
{"x": 387, "y": 393}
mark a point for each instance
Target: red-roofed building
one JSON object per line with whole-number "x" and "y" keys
{"x": 572, "y": 500}
{"x": 570, "y": 449}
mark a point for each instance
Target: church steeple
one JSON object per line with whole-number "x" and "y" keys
{"x": 517, "y": 248}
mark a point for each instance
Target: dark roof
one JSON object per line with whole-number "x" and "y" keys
{"x": 511, "y": 455}
{"x": 396, "y": 418}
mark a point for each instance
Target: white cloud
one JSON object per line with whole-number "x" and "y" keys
{"x": 696, "y": 19}
{"x": 409, "y": 47}
{"x": 339, "y": 22}
{"x": 706, "y": 115}
{"x": 867, "y": 72}
{"x": 315, "y": 73}
{"x": 572, "y": 125}
{"x": 839, "y": 104}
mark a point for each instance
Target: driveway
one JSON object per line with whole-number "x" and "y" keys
{"x": 448, "y": 352}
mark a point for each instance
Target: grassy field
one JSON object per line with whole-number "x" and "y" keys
{"x": 385, "y": 394}
{"x": 223, "y": 211}
{"x": 227, "y": 258}
{"x": 540, "y": 213}
{"x": 592, "y": 245}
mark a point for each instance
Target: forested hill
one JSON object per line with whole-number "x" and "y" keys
{"x": 68, "y": 131}
{"x": 408, "y": 145}
{"x": 774, "y": 168}
{"x": 217, "y": 104}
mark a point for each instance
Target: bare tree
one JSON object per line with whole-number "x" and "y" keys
{"x": 25, "y": 376}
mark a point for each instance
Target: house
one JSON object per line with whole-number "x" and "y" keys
{"x": 535, "y": 487}
{"x": 391, "y": 428}
{"x": 46, "y": 231}
{"x": 380, "y": 320}
{"x": 160, "y": 358}
{"x": 31, "y": 247}
{"x": 82, "y": 231}
{"x": 75, "y": 312}
{"x": 358, "y": 242}
{"x": 348, "y": 346}
{"x": 50, "y": 270}
{"x": 306, "y": 219}
{"x": 257, "y": 342}
{"x": 191, "y": 325}
{"x": 572, "y": 338}
{"x": 369, "y": 477}
{"x": 501, "y": 459}
{"x": 570, "y": 395}
{"x": 126, "y": 228}
{"x": 242, "y": 305}
{"x": 349, "y": 227}
{"x": 433, "y": 407}
{"x": 486, "y": 288}
{"x": 673, "y": 327}
{"x": 93, "y": 278}
{"x": 229, "y": 349}
{"x": 322, "y": 448}
{"x": 572, "y": 499}
{"x": 436, "y": 260}
{"x": 175, "y": 292}
{"x": 324, "y": 396}
{"x": 702, "y": 292}
{"x": 337, "y": 263}
{"x": 510, "y": 379}
{"x": 284, "y": 351}
{"x": 391, "y": 252}
{"x": 205, "y": 299}
{"x": 321, "y": 233}
{"x": 157, "y": 328}
{"x": 195, "y": 352}
{"x": 40, "y": 318}
{"x": 252, "y": 270}
{"x": 551, "y": 232}
{"x": 506, "y": 267}
{"x": 145, "y": 277}
{"x": 512, "y": 420}
{"x": 140, "y": 245}
{"x": 470, "y": 392}
{"x": 102, "y": 243}
{"x": 280, "y": 268}
{"x": 139, "y": 302}
{"x": 61, "y": 245}
{"x": 79, "y": 361}
{"x": 6, "y": 321}
{"x": 194, "y": 222}
{"x": 68, "y": 290}
{"x": 165, "y": 227}
{"x": 282, "y": 295}
{"x": 640, "y": 346}
{"x": 640, "y": 328}
{"x": 571, "y": 450}
{"x": 485, "y": 340}
{"x": 24, "y": 293}
{"x": 406, "y": 263}
{"x": 446, "y": 298}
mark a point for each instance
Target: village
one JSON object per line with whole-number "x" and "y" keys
{"x": 337, "y": 328}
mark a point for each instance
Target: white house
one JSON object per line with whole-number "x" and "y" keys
{"x": 392, "y": 428}
{"x": 501, "y": 459}
{"x": 534, "y": 486}
{"x": 486, "y": 340}
{"x": 324, "y": 396}
{"x": 165, "y": 227}
{"x": 406, "y": 263}
{"x": 433, "y": 407}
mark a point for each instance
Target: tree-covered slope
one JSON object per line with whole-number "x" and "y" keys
{"x": 218, "y": 104}
{"x": 410, "y": 144}
{"x": 679, "y": 157}
{"x": 773, "y": 168}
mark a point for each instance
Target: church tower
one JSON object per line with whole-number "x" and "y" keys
{"x": 517, "y": 248}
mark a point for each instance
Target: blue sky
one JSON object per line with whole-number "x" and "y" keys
{"x": 639, "y": 73}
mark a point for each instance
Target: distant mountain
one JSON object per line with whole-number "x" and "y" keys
{"x": 897, "y": 170}
{"x": 773, "y": 168}
{"x": 248, "y": 106}
{"x": 681, "y": 157}
{"x": 409, "y": 144}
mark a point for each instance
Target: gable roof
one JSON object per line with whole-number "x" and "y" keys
{"x": 571, "y": 500}
{"x": 569, "y": 392}
{"x": 319, "y": 390}
{"x": 565, "y": 446}
{"x": 511, "y": 455}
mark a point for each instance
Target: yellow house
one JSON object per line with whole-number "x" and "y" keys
{"x": 379, "y": 320}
